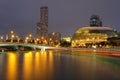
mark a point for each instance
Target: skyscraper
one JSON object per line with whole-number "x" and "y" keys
{"x": 42, "y": 26}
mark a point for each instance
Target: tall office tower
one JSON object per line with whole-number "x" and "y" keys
{"x": 42, "y": 26}
{"x": 95, "y": 21}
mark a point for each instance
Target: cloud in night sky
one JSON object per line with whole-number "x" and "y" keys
{"x": 65, "y": 16}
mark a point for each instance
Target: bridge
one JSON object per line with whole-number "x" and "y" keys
{"x": 4, "y": 47}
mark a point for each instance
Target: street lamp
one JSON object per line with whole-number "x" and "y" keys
{"x": 18, "y": 39}
{"x": 30, "y": 35}
{"x": 36, "y": 41}
{"x": 26, "y": 39}
{"x": 12, "y": 37}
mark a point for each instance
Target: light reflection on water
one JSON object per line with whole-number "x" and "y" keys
{"x": 58, "y": 66}
{"x": 37, "y": 66}
{"x": 11, "y": 66}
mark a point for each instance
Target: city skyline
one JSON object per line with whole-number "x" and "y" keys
{"x": 22, "y": 16}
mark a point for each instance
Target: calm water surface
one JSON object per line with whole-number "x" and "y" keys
{"x": 58, "y": 66}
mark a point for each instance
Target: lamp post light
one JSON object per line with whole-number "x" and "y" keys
{"x": 18, "y": 39}
{"x": 29, "y": 38}
{"x": 30, "y": 35}
{"x": 12, "y": 37}
{"x": 37, "y": 41}
{"x": 26, "y": 39}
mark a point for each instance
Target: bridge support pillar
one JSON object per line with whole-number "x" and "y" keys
{"x": 43, "y": 49}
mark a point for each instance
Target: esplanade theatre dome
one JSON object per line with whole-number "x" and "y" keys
{"x": 92, "y": 35}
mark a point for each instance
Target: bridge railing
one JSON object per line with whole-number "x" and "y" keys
{"x": 5, "y": 47}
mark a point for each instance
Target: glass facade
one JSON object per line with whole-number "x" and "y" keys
{"x": 86, "y": 35}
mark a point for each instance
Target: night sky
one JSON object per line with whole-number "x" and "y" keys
{"x": 65, "y": 16}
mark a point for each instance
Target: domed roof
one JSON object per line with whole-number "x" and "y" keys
{"x": 95, "y": 28}
{"x": 90, "y": 31}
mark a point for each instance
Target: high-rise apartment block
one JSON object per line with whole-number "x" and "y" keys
{"x": 42, "y": 26}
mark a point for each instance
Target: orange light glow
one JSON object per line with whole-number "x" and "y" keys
{"x": 27, "y": 61}
{"x": 12, "y": 59}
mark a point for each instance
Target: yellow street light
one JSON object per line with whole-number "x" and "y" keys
{"x": 30, "y": 35}
{"x": 13, "y": 36}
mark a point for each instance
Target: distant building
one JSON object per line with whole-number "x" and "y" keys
{"x": 65, "y": 42}
{"x": 95, "y": 21}
{"x": 67, "y": 39}
{"x": 54, "y": 38}
{"x": 42, "y": 26}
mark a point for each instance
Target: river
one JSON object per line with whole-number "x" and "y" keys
{"x": 59, "y": 65}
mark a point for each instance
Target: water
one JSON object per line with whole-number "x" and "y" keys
{"x": 59, "y": 65}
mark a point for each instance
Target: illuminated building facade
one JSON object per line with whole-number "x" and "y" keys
{"x": 67, "y": 39}
{"x": 93, "y": 34}
{"x": 42, "y": 26}
{"x": 54, "y": 38}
